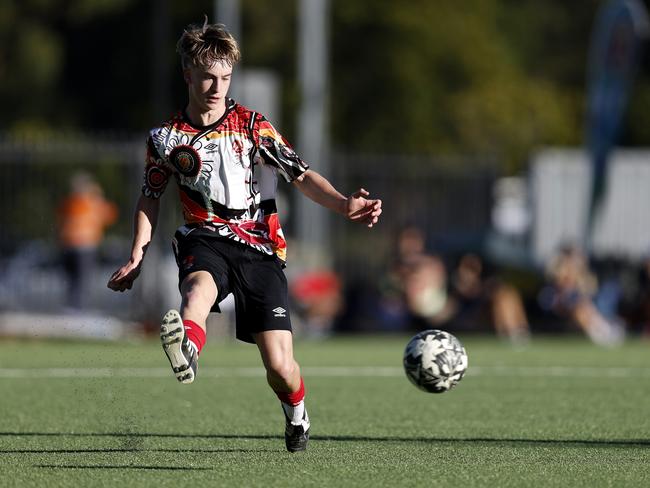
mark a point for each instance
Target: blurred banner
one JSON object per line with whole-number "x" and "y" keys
{"x": 616, "y": 44}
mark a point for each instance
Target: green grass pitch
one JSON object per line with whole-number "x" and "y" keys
{"x": 561, "y": 412}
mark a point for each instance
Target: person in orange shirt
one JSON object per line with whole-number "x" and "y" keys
{"x": 83, "y": 216}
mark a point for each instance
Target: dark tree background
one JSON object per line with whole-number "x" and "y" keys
{"x": 488, "y": 77}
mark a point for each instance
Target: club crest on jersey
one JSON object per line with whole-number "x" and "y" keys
{"x": 186, "y": 160}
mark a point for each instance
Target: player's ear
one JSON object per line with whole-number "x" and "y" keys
{"x": 187, "y": 75}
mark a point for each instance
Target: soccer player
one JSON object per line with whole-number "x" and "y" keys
{"x": 226, "y": 160}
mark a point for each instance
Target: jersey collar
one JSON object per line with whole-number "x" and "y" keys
{"x": 230, "y": 104}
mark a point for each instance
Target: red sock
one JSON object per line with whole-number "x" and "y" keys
{"x": 293, "y": 398}
{"x": 195, "y": 333}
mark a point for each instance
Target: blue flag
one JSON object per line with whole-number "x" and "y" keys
{"x": 616, "y": 44}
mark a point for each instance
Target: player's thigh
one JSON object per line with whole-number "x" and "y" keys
{"x": 261, "y": 299}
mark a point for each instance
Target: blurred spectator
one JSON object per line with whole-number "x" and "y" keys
{"x": 319, "y": 300}
{"x": 483, "y": 298}
{"x": 418, "y": 293}
{"x": 570, "y": 294}
{"x": 637, "y": 307}
{"x": 643, "y": 299}
{"x": 413, "y": 294}
{"x": 82, "y": 218}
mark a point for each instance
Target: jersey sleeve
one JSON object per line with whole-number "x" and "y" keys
{"x": 156, "y": 173}
{"x": 276, "y": 151}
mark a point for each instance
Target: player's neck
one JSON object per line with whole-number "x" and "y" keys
{"x": 201, "y": 117}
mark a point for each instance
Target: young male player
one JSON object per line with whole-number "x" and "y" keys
{"x": 225, "y": 159}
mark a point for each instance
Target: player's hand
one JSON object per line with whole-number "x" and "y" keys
{"x": 362, "y": 209}
{"x": 124, "y": 277}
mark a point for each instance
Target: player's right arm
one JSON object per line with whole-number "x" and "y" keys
{"x": 145, "y": 219}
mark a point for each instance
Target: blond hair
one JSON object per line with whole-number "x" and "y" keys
{"x": 206, "y": 44}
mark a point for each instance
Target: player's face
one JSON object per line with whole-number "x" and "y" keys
{"x": 208, "y": 86}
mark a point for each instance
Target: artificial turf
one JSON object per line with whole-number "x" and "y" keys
{"x": 560, "y": 412}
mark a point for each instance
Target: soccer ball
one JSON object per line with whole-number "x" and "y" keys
{"x": 435, "y": 361}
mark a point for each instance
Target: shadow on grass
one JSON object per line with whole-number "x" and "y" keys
{"x": 327, "y": 438}
{"x": 121, "y": 466}
{"x": 118, "y": 450}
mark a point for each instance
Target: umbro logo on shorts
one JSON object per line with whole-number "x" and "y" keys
{"x": 279, "y": 312}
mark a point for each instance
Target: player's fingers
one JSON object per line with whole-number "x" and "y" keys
{"x": 361, "y": 192}
{"x": 113, "y": 283}
{"x": 361, "y": 213}
{"x": 119, "y": 274}
{"x": 371, "y": 211}
{"x": 372, "y": 204}
{"x": 117, "y": 281}
{"x": 373, "y": 218}
{"x": 366, "y": 217}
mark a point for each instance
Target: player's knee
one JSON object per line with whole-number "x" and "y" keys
{"x": 198, "y": 292}
{"x": 283, "y": 369}
{"x": 194, "y": 295}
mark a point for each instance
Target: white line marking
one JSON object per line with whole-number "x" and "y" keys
{"x": 329, "y": 372}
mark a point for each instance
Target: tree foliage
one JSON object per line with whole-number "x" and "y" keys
{"x": 439, "y": 78}
{"x": 492, "y": 77}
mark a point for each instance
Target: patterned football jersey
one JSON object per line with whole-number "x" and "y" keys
{"x": 226, "y": 174}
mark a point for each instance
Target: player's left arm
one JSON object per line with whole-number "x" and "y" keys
{"x": 357, "y": 207}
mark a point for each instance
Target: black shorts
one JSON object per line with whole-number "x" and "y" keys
{"x": 255, "y": 279}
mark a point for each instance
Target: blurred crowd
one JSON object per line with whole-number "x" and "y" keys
{"x": 465, "y": 293}
{"x": 419, "y": 288}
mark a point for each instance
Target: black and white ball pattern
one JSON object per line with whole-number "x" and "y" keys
{"x": 435, "y": 361}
